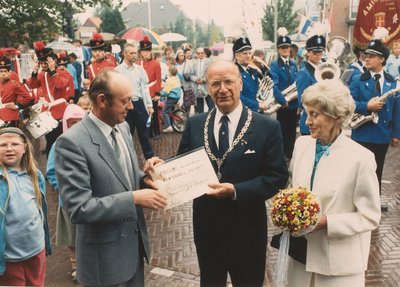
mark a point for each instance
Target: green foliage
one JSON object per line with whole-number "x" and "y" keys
{"x": 215, "y": 36}
{"x": 286, "y": 17}
{"x": 27, "y": 21}
{"x": 112, "y": 21}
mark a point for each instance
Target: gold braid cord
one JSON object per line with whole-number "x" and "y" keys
{"x": 220, "y": 161}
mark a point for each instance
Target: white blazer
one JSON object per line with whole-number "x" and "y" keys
{"x": 347, "y": 187}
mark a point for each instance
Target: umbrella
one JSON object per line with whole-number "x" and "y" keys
{"x": 172, "y": 37}
{"x": 109, "y": 38}
{"x": 138, "y": 33}
{"x": 217, "y": 47}
{"x": 298, "y": 37}
{"x": 62, "y": 46}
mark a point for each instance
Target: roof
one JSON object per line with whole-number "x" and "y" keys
{"x": 93, "y": 22}
{"x": 162, "y": 13}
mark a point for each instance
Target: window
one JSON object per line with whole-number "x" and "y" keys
{"x": 354, "y": 8}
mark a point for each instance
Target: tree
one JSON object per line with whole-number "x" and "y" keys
{"x": 215, "y": 35}
{"x": 112, "y": 21}
{"x": 29, "y": 21}
{"x": 201, "y": 38}
{"x": 286, "y": 17}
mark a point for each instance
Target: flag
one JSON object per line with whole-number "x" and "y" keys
{"x": 331, "y": 19}
{"x": 304, "y": 24}
{"x": 371, "y": 16}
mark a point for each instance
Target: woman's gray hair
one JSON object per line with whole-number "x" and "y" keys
{"x": 333, "y": 98}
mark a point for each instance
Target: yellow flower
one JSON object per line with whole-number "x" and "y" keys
{"x": 296, "y": 221}
{"x": 306, "y": 213}
{"x": 295, "y": 203}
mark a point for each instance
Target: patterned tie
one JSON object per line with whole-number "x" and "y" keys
{"x": 223, "y": 136}
{"x": 115, "y": 144}
{"x": 377, "y": 86}
{"x": 288, "y": 69}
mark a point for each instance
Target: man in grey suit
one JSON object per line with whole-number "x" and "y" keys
{"x": 103, "y": 190}
{"x": 198, "y": 76}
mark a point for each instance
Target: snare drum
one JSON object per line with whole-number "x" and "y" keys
{"x": 41, "y": 125}
{"x": 57, "y": 108}
{"x": 35, "y": 110}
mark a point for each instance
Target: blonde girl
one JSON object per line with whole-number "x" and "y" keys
{"x": 24, "y": 232}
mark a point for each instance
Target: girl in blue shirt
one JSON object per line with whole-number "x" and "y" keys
{"x": 23, "y": 213}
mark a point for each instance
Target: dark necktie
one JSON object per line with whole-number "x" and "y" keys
{"x": 288, "y": 69}
{"x": 223, "y": 136}
{"x": 250, "y": 73}
{"x": 115, "y": 144}
{"x": 377, "y": 86}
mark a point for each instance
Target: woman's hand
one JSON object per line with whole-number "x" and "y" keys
{"x": 321, "y": 224}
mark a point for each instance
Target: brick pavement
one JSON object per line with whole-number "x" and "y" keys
{"x": 173, "y": 255}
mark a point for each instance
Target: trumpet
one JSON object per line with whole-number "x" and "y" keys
{"x": 290, "y": 94}
{"x": 360, "y": 119}
{"x": 264, "y": 88}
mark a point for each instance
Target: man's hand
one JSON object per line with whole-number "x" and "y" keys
{"x": 285, "y": 105}
{"x": 151, "y": 110}
{"x": 394, "y": 142}
{"x": 221, "y": 190}
{"x": 149, "y": 198}
{"x": 374, "y": 104}
{"x": 151, "y": 163}
{"x": 323, "y": 222}
{"x": 51, "y": 63}
{"x": 156, "y": 98}
{"x": 199, "y": 81}
{"x": 11, "y": 106}
{"x": 262, "y": 106}
{"x": 36, "y": 66}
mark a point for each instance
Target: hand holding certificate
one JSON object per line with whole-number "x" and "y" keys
{"x": 185, "y": 178}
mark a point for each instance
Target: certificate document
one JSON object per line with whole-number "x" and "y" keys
{"x": 185, "y": 177}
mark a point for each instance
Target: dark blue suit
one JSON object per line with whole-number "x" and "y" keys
{"x": 250, "y": 87}
{"x": 305, "y": 78}
{"x": 283, "y": 77}
{"x": 376, "y": 137}
{"x": 234, "y": 232}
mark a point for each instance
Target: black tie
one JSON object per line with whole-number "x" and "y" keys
{"x": 377, "y": 85}
{"x": 223, "y": 136}
{"x": 288, "y": 69}
{"x": 250, "y": 73}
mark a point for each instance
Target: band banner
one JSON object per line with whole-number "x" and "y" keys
{"x": 373, "y": 14}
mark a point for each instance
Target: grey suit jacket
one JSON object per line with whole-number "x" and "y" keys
{"x": 196, "y": 76}
{"x": 97, "y": 197}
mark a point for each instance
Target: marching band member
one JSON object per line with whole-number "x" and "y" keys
{"x": 358, "y": 65}
{"x": 250, "y": 77}
{"x": 13, "y": 94}
{"x": 365, "y": 90}
{"x": 63, "y": 63}
{"x": 153, "y": 71}
{"x": 52, "y": 82}
{"x": 305, "y": 77}
{"x": 284, "y": 72}
{"x": 98, "y": 47}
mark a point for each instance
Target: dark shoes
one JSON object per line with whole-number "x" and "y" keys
{"x": 157, "y": 137}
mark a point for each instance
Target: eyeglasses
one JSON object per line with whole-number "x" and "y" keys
{"x": 246, "y": 53}
{"x": 14, "y": 146}
{"x": 228, "y": 83}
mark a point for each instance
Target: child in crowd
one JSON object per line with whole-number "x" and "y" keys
{"x": 24, "y": 239}
{"x": 172, "y": 91}
{"x": 66, "y": 230}
{"x": 86, "y": 85}
{"x": 85, "y": 103}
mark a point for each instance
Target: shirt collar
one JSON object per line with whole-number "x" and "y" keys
{"x": 234, "y": 116}
{"x": 127, "y": 67}
{"x": 380, "y": 73}
{"x": 314, "y": 66}
{"x": 105, "y": 128}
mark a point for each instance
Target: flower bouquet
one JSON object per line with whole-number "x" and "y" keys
{"x": 296, "y": 211}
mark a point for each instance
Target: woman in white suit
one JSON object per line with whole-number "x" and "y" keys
{"x": 342, "y": 175}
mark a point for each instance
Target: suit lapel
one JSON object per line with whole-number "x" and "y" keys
{"x": 133, "y": 157}
{"x": 233, "y": 158}
{"x": 105, "y": 150}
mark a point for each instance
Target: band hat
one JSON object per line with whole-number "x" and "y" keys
{"x": 283, "y": 39}
{"x": 42, "y": 52}
{"x": 241, "y": 44}
{"x": 146, "y": 44}
{"x": 62, "y": 59}
{"x": 97, "y": 42}
{"x": 377, "y": 46}
{"x": 316, "y": 43}
{"x": 5, "y": 63}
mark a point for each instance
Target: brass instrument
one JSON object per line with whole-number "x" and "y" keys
{"x": 360, "y": 119}
{"x": 265, "y": 89}
{"x": 327, "y": 71}
{"x": 290, "y": 94}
